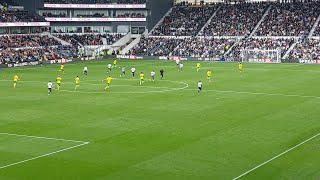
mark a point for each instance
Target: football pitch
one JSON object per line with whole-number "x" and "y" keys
{"x": 262, "y": 123}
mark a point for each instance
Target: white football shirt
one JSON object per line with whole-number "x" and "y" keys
{"x": 199, "y": 84}
{"x": 153, "y": 73}
{"x": 49, "y": 85}
{"x": 133, "y": 69}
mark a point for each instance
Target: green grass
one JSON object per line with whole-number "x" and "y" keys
{"x": 163, "y": 129}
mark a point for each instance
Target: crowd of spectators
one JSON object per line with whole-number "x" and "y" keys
{"x": 155, "y": 46}
{"x": 19, "y": 16}
{"x": 235, "y": 20}
{"x": 24, "y": 41}
{"x": 289, "y": 19}
{"x": 184, "y": 47}
{"x": 95, "y": 1}
{"x": 204, "y": 47}
{"x": 184, "y": 21}
{"x": 280, "y": 44}
{"x": 308, "y": 49}
{"x": 10, "y": 56}
{"x": 89, "y": 39}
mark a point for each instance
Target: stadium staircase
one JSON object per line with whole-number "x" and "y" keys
{"x": 134, "y": 43}
{"x": 314, "y": 27}
{"x": 261, "y": 20}
{"x": 286, "y": 54}
{"x": 209, "y": 21}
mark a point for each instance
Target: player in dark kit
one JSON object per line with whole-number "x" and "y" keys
{"x": 161, "y": 73}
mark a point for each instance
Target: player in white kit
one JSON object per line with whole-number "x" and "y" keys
{"x": 152, "y": 74}
{"x": 133, "y": 71}
{"x": 49, "y": 87}
{"x": 109, "y": 68}
{"x": 178, "y": 63}
{"x": 199, "y": 87}
{"x": 85, "y": 70}
{"x": 180, "y": 67}
{"x": 123, "y": 71}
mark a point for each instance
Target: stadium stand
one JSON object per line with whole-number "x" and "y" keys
{"x": 184, "y": 21}
{"x": 156, "y": 46}
{"x": 19, "y": 16}
{"x": 204, "y": 47}
{"x": 235, "y": 20}
{"x": 95, "y": 1}
{"x": 289, "y": 19}
{"x": 306, "y": 49}
{"x": 89, "y": 39}
{"x": 25, "y": 41}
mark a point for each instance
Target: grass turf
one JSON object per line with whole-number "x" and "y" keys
{"x": 163, "y": 129}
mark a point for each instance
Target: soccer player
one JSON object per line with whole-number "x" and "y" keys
{"x": 199, "y": 87}
{"x": 15, "y": 80}
{"x": 141, "y": 78}
{"x": 198, "y": 67}
{"x": 115, "y": 63}
{"x": 180, "y": 67}
{"x": 49, "y": 87}
{"x": 109, "y": 68}
{"x": 108, "y": 80}
{"x": 62, "y": 68}
{"x": 240, "y": 66}
{"x": 161, "y": 73}
{"x": 209, "y": 73}
{"x": 152, "y": 74}
{"x": 85, "y": 70}
{"x": 133, "y": 71}
{"x": 123, "y": 71}
{"x": 177, "y": 63}
{"x": 58, "y": 80}
{"x": 77, "y": 80}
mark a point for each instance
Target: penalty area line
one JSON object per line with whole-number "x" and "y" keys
{"x": 80, "y": 143}
{"x": 275, "y": 157}
{"x": 44, "y": 155}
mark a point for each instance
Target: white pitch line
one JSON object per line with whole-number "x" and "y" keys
{"x": 258, "y": 93}
{"x": 39, "y": 137}
{"x": 48, "y": 154}
{"x": 275, "y": 157}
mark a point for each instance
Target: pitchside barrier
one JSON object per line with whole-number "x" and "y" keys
{"x": 133, "y": 57}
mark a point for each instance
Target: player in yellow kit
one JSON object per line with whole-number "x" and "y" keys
{"x": 62, "y": 68}
{"x": 141, "y": 78}
{"x": 108, "y": 80}
{"x": 240, "y": 66}
{"x": 15, "y": 80}
{"x": 115, "y": 63}
{"x": 58, "y": 80}
{"x": 77, "y": 80}
{"x": 198, "y": 67}
{"x": 209, "y": 73}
